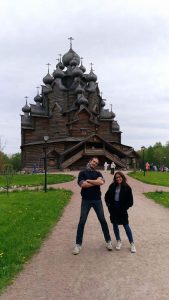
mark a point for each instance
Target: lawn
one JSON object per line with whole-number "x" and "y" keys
{"x": 26, "y": 218}
{"x": 157, "y": 178}
{"x": 159, "y": 197}
{"x": 35, "y": 179}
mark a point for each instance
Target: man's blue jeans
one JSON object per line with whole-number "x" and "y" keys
{"x": 97, "y": 205}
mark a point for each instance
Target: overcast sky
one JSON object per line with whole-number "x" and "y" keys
{"x": 126, "y": 40}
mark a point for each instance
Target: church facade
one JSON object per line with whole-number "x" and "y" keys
{"x": 70, "y": 110}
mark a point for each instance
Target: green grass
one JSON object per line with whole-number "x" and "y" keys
{"x": 36, "y": 179}
{"x": 159, "y": 197}
{"x": 26, "y": 218}
{"x": 156, "y": 178}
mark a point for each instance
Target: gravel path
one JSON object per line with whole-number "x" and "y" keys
{"x": 97, "y": 274}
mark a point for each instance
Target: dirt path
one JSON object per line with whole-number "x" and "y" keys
{"x": 97, "y": 274}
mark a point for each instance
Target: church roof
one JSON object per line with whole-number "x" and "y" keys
{"x": 37, "y": 110}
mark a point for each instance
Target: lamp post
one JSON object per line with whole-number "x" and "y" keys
{"x": 46, "y": 138}
{"x": 143, "y": 148}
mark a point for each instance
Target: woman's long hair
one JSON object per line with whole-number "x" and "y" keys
{"x": 124, "y": 180}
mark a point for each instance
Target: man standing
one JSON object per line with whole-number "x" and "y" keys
{"x": 105, "y": 166}
{"x": 90, "y": 181}
{"x": 112, "y": 167}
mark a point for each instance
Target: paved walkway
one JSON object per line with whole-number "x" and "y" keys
{"x": 97, "y": 274}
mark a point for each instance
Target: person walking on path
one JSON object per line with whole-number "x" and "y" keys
{"x": 106, "y": 166}
{"x": 112, "y": 167}
{"x": 90, "y": 181}
{"x": 118, "y": 199}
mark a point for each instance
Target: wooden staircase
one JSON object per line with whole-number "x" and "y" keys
{"x": 116, "y": 160}
{"x": 72, "y": 159}
{"x": 93, "y": 152}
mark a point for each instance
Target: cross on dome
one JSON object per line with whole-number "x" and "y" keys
{"x": 48, "y": 64}
{"x": 91, "y": 67}
{"x": 111, "y": 107}
{"x": 60, "y": 55}
{"x": 71, "y": 39}
{"x": 26, "y": 97}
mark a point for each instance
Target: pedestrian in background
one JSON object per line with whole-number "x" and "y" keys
{"x": 112, "y": 167}
{"x": 105, "y": 166}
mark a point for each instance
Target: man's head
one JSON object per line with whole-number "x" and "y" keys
{"x": 94, "y": 161}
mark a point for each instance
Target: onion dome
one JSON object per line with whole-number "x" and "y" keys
{"x": 26, "y": 108}
{"x": 102, "y": 103}
{"x": 115, "y": 126}
{"x": 48, "y": 79}
{"x": 73, "y": 62}
{"x": 38, "y": 98}
{"x": 91, "y": 87}
{"x": 113, "y": 116}
{"x": 82, "y": 68}
{"x": 67, "y": 57}
{"x": 82, "y": 100}
{"x": 79, "y": 89}
{"x": 91, "y": 76}
{"x": 58, "y": 73}
{"x": 86, "y": 76}
{"x": 76, "y": 72}
{"x": 60, "y": 65}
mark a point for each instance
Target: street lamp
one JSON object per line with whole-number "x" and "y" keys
{"x": 46, "y": 138}
{"x": 143, "y": 148}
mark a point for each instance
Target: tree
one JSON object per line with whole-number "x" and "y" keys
{"x": 15, "y": 161}
{"x": 8, "y": 175}
{"x": 157, "y": 154}
{"x": 2, "y": 156}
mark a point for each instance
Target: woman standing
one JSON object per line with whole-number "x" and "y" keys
{"x": 118, "y": 199}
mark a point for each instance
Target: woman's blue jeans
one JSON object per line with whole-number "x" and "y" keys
{"x": 127, "y": 229}
{"x": 86, "y": 205}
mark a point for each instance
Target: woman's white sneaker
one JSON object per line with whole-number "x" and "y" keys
{"x": 133, "y": 248}
{"x": 118, "y": 246}
{"x": 77, "y": 249}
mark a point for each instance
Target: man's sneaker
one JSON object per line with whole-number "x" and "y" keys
{"x": 109, "y": 245}
{"x": 119, "y": 244}
{"x": 77, "y": 249}
{"x": 133, "y": 248}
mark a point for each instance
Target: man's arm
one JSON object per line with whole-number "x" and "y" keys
{"x": 84, "y": 184}
{"x": 90, "y": 182}
{"x": 98, "y": 181}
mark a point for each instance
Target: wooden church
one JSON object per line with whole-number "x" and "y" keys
{"x": 70, "y": 111}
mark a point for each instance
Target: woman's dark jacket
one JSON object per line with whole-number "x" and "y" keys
{"x": 118, "y": 211}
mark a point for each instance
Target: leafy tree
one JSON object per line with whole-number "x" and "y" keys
{"x": 15, "y": 161}
{"x": 157, "y": 154}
